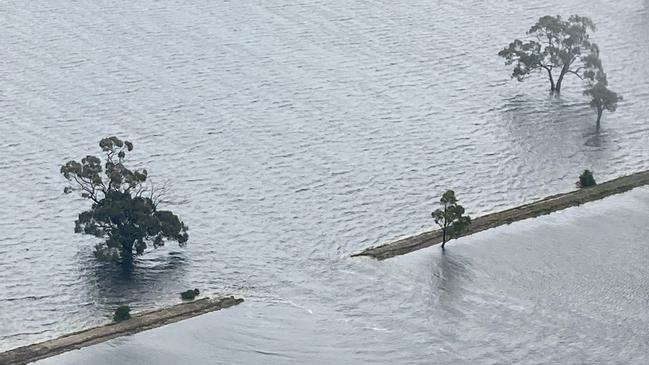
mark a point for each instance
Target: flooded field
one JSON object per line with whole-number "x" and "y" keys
{"x": 566, "y": 288}
{"x": 296, "y": 133}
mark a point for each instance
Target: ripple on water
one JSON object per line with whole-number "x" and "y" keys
{"x": 293, "y": 134}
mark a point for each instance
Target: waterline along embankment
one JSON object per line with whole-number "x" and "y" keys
{"x": 544, "y": 206}
{"x": 139, "y": 322}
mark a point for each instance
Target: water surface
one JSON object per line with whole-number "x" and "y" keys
{"x": 294, "y": 134}
{"x": 568, "y": 288}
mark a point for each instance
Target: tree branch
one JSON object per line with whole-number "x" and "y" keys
{"x": 575, "y": 73}
{"x": 85, "y": 188}
{"x": 547, "y": 67}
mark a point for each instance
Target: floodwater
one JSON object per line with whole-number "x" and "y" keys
{"x": 296, "y": 133}
{"x": 568, "y": 288}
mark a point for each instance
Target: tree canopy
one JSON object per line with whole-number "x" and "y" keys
{"x": 450, "y": 217}
{"x": 124, "y": 210}
{"x": 556, "y": 46}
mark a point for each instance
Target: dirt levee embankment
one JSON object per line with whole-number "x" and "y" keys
{"x": 544, "y": 206}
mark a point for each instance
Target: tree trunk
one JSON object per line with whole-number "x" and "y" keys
{"x": 552, "y": 87}
{"x": 599, "y": 117}
{"x": 127, "y": 251}
{"x": 559, "y": 82}
{"x": 564, "y": 71}
{"x": 126, "y": 242}
{"x": 443, "y": 237}
{"x": 445, "y": 226}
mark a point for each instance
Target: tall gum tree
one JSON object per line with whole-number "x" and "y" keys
{"x": 554, "y": 46}
{"x": 124, "y": 211}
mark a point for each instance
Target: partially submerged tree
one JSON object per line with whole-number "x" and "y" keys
{"x": 124, "y": 210}
{"x": 601, "y": 97}
{"x": 450, "y": 217}
{"x": 555, "y": 46}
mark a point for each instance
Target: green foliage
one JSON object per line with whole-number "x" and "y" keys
{"x": 189, "y": 294}
{"x": 586, "y": 179}
{"x": 554, "y": 44}
{"x": 564, "y": 45}
{"x": 450, "y": 217}
{"x": 122, "y": 313}
{"x": 601, "y": 97}
{"x": 124, "y": 210}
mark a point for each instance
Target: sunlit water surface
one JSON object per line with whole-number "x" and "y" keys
{"x": 296, "y": 133}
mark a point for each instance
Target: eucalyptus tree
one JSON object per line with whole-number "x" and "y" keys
{"x": 124, "y": 211}
{"x": 553, "y": 46}
{"x": 601, "y": 97}
{"x": 450, "y": 217}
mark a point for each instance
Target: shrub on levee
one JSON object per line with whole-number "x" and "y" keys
{"x": 122, "y": 313}
{"x": 586, "y": 179}
{"x": 189, "y": 294}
